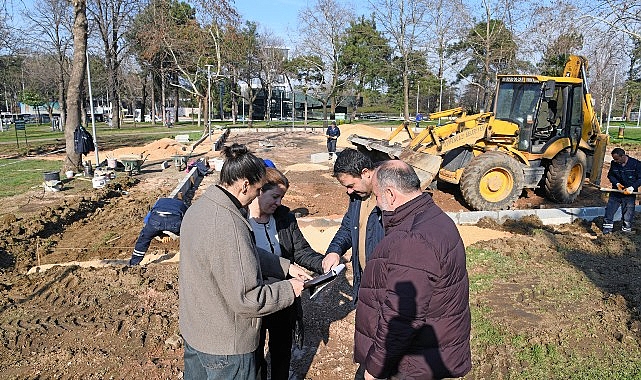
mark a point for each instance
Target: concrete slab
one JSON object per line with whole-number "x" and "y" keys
{"x": 556, "y": 216}
{"x": 318, "y": 158}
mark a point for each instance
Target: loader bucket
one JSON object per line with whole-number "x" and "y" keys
{"x": 425, "y": 165}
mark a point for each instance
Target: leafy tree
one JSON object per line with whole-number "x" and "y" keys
{"x": 11, "y": 80}
{"x": 307, "y": 73}
{"x": 366, "y": 56}
{"x": 404, "y": 23}
{"x": 557, "y": 53}
{"x": 492, "y": 50}
{"x": 241, "y": 52}
{"x": 323, "y": 30}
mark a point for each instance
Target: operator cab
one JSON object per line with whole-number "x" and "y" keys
{"x": 543, "y": 111}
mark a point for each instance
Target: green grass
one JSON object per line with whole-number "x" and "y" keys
{"x": 19, "y": 175}
{"x": 538, "y": 357}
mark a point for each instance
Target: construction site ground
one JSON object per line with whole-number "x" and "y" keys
{"x": 568, "y": 286}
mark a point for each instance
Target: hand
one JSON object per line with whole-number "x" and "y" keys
{"x": 331, "y": 260}
{"x": 299, "y": 272}
{"x": 297, "y": 285}
{"x": 628, "y": 190}
{"x": 166, "y": 239}
{"x": 368, "y": 376}
{"x": 620, "y": 186}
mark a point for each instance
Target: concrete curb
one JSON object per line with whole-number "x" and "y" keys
{"x": 547, "y": 216}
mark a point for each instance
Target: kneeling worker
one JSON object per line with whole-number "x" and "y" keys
{"x": 164, "y": 218}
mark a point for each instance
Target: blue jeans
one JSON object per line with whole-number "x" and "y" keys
{"x": 202, "y": 366}
{"x": 156, "y": 224}
{"x": 626, "y": 202}
{"x": 331, "y": 146}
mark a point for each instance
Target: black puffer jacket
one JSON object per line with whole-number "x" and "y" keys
{"x": 293, "y": 245}
{"x": 413, "y": 314}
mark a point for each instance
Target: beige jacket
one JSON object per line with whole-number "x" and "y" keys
{"x": 222, "y": 295}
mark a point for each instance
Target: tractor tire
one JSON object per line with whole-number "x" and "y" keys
{"x": 492, "y": 181}
{"x": 564, "y": 177}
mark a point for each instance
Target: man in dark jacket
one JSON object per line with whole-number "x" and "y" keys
{"x": 625, "y": 175}
{"x": 361, "y": 228}
{"x": 413, "y": 315}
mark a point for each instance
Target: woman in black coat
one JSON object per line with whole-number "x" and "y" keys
{"x": 277, "y": 232}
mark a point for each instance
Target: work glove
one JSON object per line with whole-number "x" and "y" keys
{"x": 620, "y": 186}
{"x": 628, "y": 190}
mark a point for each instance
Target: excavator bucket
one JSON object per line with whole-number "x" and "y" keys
{"x": 425, "y": 165}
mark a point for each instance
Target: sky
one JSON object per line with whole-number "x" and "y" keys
{"x": 278, "y": 16}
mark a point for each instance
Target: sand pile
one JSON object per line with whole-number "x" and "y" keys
{"x": 365, "y": 131}
{"x": 162, "y": 149}
{"x": 306, "y": 167}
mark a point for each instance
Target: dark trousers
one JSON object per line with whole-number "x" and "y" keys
{"x": 331, "y": 146}
{"x": 626, "y": 202}
{"x": 202, "y": 366}
{"x": 280, "y": 326}
{"x": 156, "y": 224}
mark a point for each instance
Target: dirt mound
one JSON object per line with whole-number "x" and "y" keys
{"x": 162, "y": 149}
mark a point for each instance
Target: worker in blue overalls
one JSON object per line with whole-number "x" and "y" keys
{"x": 163, "y": 220}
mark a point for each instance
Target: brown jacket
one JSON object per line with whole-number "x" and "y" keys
{"x": 413, "y": 314}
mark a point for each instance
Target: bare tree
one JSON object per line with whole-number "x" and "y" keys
{"x": 405, "y": 23}
{"x": 620, "y": 15}
{"x": 76, "y": 80}
{"x": 442, "y": 20}
{"x": 271, "y": 56}
{"x": 323, "y": 29}
{"x": 50, "y": 29}
{"x": 111, "y": 19}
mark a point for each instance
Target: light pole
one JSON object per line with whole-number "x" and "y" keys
{"x": 418, "y": 92}
{"x": 614, "y": 82}
{"x": 281, "y": 102}
{"x": 93, "y": 117}
{"x": 208, "y": 95}
{"x": 639, "y": 113}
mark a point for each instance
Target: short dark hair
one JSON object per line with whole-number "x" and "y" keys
{"x": 240, "y": 163}
{"x": 398, "y": 175}
{"x": 352, "y": 162}
{"x": 618, "y": 152}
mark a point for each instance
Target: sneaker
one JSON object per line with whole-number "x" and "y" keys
{"x": 607, "y": 231}
{"x": 628, "y": 231}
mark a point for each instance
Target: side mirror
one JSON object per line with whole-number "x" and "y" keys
{"x": 548, "y": 89}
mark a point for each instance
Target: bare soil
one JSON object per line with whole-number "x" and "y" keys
{"x": 120, "y": 322}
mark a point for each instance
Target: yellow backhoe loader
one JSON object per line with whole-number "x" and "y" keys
{"x": 542, "y": 132}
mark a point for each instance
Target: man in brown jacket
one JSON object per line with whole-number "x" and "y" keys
{"x": 413, "y": 316}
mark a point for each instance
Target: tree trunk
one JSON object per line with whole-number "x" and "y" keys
{"x": 76, "y": 81}
{"x": 113, "y": 88}
{"x": 154, "y": 110}
{"x": 176, "y": 102}
{"x": 62, "y": 98}
{"x": 163, "y": 99}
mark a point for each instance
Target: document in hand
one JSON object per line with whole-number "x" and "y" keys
{"x": 316, "y": 284}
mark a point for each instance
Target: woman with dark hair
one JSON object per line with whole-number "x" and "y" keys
{"x": 277, "y": 233}
{"x": 222, "y": 294}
